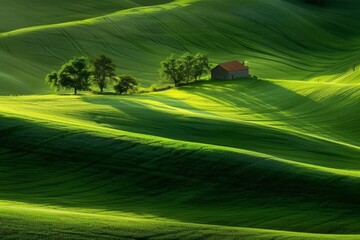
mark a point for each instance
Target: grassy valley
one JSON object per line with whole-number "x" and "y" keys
{"x": 269, "y": 158}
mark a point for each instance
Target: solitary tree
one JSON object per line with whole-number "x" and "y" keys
{"x": 126, "y": 84}
{"x": 102, "y": 71}
{"x": 201, "y": 65}
{"x": 74, "y": 74}
{"x": 173, "y": 70}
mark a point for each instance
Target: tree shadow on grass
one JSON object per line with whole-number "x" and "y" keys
{"x": 171, "y": 118}
{"x": 268, "y": 102}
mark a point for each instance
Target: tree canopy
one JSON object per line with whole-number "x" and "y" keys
{"x": 75, "y": 74}
{"x": 102, "y": 71}
{"x": 173, "y": 70}
{"x": 202, "y": 66}
{"x": 185, "y": 68}
{"x": 126, "y": 84}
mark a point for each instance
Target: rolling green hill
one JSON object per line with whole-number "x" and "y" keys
{"x": 201, "y": 154}
{"x": 276, "y": 158}
{"x": 312, "y": 42}
{"x": 17, "y": 14}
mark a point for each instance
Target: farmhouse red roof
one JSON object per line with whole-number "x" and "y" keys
{"x": 233, "y": 66}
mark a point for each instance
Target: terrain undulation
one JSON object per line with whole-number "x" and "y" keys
{"x": 269, "y": 158}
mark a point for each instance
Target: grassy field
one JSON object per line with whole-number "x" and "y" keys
{"x": 312, "y": 43}
{"x": 276, "y": 158}
{"x": 200, "y": 154}
{"x": 55, "y": 223}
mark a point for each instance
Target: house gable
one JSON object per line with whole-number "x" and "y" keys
{"x": 230, "y": 70}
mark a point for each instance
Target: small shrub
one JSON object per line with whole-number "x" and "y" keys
{"x": 126, "y": 84}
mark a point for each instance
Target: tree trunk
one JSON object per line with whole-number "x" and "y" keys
{"x": 102, "y": 83}
{"x": 75, "y": 91}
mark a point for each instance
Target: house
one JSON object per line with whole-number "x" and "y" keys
{"x": 230, "y": 70}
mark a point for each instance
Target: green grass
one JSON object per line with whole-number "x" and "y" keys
{"x": 245, "y": 159}
{"x": 139, "y": 38}
{"x": 18, "y": 14}
{"x": 200, "y": 154}
{"x": 57, "y": 223}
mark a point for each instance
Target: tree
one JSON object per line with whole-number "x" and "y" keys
{"x": 52, "y": 80}
{"x": 201, "y": 65}
{"x": 74, "y": 74}
{"x": 126, "y": 84}
{"x": 188, "y": 63}
{"x": 173, "y": 70}
{"x": 103, "y": 70}
{"x": 185, "y": 68}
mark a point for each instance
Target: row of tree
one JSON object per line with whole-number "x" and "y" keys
{"x": 184, "y": 69}
{"x": 80, "y": 74}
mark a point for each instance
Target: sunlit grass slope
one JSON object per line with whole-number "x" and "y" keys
{"x": 17, "y": 14}
{"x": 58, "y": 223}
{"x": 311, "y": 42}
{"x": 218, "y": 153}
{"x": 243, "y": 159}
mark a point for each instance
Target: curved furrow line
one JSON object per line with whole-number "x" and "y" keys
{"x": 127, "y": 36}
{"x": 73, "y": 41}
{"x": 76, "y": 22}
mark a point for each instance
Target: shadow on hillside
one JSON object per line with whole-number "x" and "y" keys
{"x": 53, "y": 166}
{"x": 267, "y": 101}
{"x": 260, "y": 97}
{"x": 174, "y": 119}
{"x": 264, "y": 101}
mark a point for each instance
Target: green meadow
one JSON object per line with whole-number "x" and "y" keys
{"x": 312, "y": 43}
{"x": 269, "y": 158}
